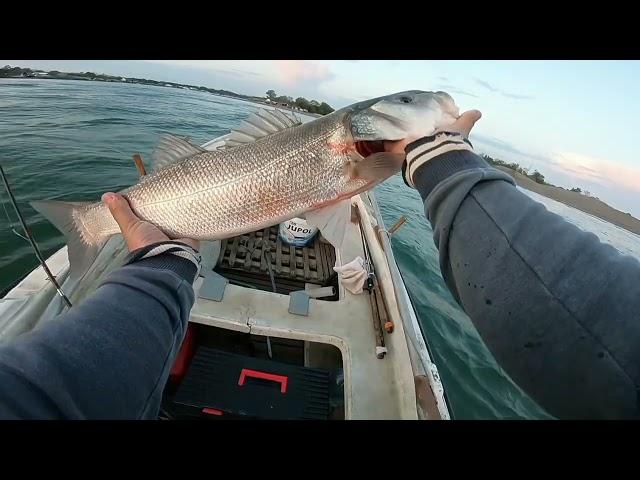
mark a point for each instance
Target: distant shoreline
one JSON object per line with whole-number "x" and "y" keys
{"x": 279, "y": 107}
{"x": 30, "y": 74}
{"x": 590, "y": 205}
{"x": 242, "y": 99}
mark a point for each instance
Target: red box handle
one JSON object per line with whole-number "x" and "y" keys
{"x": 212, "y": 411}
{"x": 281, "y": 379}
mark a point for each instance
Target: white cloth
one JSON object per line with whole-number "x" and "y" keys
{"x": 353, "y": 275}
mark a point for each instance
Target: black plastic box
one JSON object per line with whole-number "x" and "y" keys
{"x": 223, "y": 385}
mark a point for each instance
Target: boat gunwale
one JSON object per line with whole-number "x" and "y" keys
{"x": 416, "y": 336}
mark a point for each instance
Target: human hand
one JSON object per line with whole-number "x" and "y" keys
{"x": 462, "y": 125}
{"x": 136, "y": 232}
{"x": 421, "y": 150}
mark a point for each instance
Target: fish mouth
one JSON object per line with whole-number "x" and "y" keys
{"x": 369, "y": 147}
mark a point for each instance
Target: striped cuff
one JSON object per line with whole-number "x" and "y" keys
{"x": 424, "y": 149}
{"x": 168, "y": 248}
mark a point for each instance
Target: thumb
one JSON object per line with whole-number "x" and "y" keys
{"x": 121, "y": 211}
{"x": 466, "y": 121}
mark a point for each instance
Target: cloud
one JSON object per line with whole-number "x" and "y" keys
{"x": 451, "y": 89}
{"x": 494, "y": 89}
{"x": 597, "y": 170}
{"x": 235, "y": 72}
{"x": 245, "y": 72}
{"x": 508, "y": 147}
{"x": 495, "y": 142}
{"x": 289, "y": 77}
{"x": 486, "y": 85}
{"x": 444, "y": 79}
{"x": 610, "y": 178}
{"x": 519, "y": 97}
{"x": 292, "y": 72}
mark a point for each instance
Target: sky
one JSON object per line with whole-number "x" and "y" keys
{"x": 574, "y": 121}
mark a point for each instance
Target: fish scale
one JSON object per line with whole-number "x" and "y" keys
{"x": 238, "y": 190}
{"x": 307, "y": 169}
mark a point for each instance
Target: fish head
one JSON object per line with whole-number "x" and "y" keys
{"x": 360, "y": 145}
{"x": 405, "y": 115}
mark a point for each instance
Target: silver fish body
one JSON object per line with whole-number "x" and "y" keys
{"x": 223, "y": 193}
{"x": 303, "y": 169}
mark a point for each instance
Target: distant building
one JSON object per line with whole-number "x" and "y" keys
{"x": 122, "y": 79}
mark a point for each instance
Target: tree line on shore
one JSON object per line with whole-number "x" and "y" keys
{"x": 536, "y": 176}
{"x": 311, "y": 106}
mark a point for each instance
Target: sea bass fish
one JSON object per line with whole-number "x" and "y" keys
{"x": 271, "y": 169}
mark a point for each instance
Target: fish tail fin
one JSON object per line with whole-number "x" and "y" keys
{"x": 83, "y": 246}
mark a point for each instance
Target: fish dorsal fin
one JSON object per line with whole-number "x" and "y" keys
{"x": 261, "y": 124}
{"x": 172, "y": 149}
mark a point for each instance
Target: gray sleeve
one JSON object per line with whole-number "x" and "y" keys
{"x": 559, "y": 310}
{"x": 110, "y": 356}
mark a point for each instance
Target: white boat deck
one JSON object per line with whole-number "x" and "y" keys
{"x": 374, "y": 388}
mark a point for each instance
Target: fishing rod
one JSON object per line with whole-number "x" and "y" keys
{"x": 32, "y": 240}
{"x": 378, "y": 310}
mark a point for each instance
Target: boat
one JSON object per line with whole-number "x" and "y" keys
{"x": 274, "y": 333}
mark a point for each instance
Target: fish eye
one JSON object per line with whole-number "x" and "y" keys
{"x": 405, "y": 99}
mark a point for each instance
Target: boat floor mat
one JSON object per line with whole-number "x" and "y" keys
{"x": 242, "y": 260}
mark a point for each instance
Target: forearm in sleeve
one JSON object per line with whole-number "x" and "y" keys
{"x": 559, "y": 310}
{"x": 110, "y": 356}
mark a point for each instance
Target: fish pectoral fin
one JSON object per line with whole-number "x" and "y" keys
{"x": 376, "y": 167}
{"x": 332, "y": 221}
{"x": 261, "y": 124}
{"x": 172, "y": 149}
